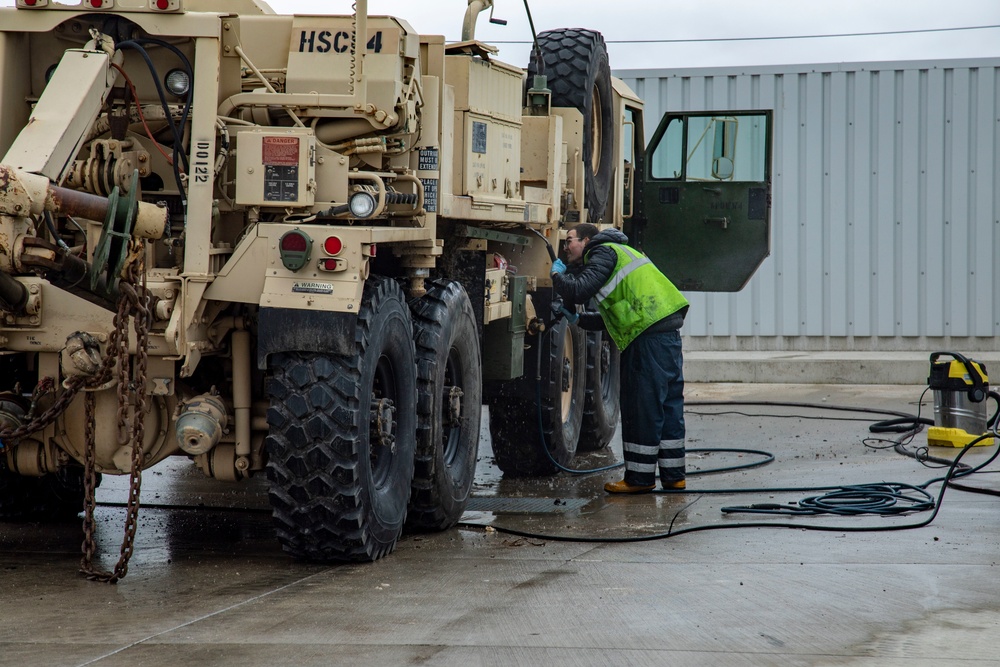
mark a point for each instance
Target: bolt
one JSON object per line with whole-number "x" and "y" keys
{"x": 33, "y": 289}
{"x": 33, "y": 319}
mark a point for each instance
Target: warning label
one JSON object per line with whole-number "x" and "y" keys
{"x": 428, "y": 159}
{"x": 430, "y": 194}
{"x": 281, "y": 151}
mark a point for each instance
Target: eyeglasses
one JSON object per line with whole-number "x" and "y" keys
{"x": 571, "y": 239}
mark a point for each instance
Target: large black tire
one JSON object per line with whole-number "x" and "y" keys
{"x": 53, "y": 497}
{"x": 576, "y": 64}
{"x": 601, "y": 408}
{"x": 340, "y": 459}
{"x": 56, "y": 496}
{"x": 515, "y": 431}
{"x": 449, "y": 406}
{"x": 13, "y": 505}
{"x": 60, "y": 494}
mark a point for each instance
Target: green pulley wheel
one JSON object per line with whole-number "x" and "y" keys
{"x": 112, "y": 248}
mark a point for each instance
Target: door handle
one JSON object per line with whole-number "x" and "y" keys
{"x": 717, "y": 191}
{"x": 722, "y": 222}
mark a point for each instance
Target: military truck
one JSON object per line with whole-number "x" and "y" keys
{"x": 315, "y": 246}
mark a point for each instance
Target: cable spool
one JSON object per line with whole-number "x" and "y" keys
{"x": 960, "y": 389}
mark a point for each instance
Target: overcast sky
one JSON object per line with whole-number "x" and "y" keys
{"x": 625, "y": 21}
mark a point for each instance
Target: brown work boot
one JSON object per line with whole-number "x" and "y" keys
{"x": 625, "y": 487}
{"x": 675, "y": 484}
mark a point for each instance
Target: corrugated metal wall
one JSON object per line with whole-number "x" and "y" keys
{"x": 885, "y": 208}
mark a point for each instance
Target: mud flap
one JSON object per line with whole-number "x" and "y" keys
{"x": 294, "y": 330}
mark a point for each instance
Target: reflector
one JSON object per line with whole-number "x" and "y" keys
{"x": 333, "y": 245}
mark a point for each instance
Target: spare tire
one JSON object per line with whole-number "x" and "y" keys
{"x": 576, "y": 64}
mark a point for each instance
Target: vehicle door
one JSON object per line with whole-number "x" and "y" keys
{"x": 703, "y": 198}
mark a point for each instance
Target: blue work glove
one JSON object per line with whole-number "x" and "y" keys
{"x": 570, "y": 317}
{"x": 558, "y": 266}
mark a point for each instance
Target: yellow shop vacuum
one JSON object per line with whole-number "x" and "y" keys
{"x": 960, "y": 387}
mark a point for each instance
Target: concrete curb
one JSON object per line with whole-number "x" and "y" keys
{"x": 819, "y": 367}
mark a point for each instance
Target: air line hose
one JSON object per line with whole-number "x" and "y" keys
{"x": 878, "y": 499}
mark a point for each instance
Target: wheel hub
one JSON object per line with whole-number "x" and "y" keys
{"x": 453, "y": 405}
{"x": 382, "y": 423}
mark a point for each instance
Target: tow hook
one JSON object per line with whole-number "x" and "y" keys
{"x": 81, "y": 355}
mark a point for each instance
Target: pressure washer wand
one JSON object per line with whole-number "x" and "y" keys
{"x": 548, "y": 246}
{"x": 557, "y": 305}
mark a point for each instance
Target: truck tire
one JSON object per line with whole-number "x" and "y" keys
{"x": 518, "y": 437}
{"x": 449, "y": 406}
{"x": 57, "y": 496}
{"x": 601, "y": 406}
{"x": 340, "y": 458}
{"x": 12, "y": 505}
{"x": 576, "y": 64}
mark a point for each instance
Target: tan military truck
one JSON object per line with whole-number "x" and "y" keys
{"x": 315, "y": 246}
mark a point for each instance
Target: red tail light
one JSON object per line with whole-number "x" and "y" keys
{"x": 294, "y": 242}
{"x": 333, "y": 245}
{"x": 332, "y": 264}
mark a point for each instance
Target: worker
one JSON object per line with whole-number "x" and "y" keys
{"x": 642, "y": 311}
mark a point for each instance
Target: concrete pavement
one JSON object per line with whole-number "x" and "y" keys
{"x": 208, "y": 584}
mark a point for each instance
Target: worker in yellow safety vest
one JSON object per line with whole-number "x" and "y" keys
{"x": 642, "y": 312}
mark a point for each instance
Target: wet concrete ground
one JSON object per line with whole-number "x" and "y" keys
{"x": 208, "y": 584}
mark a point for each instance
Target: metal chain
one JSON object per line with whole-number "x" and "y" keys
{"x": 9, "y": 437}
{"x": 89, "y": 484}
{"x": 134, "y": 300}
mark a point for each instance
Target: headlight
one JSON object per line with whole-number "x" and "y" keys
{"x": 362, "y": 205}
{"x": 178, "y": 82}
